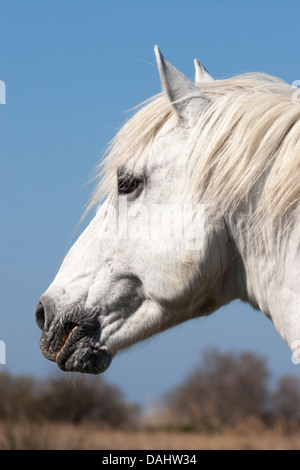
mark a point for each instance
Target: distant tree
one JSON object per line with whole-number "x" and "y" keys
{"x": 223, "y": 390}
{"x": 286, "y": 400}
{"x": 85, "y": 398}
{"x": 18, "y": 396}
{"x": 72, "y": 399}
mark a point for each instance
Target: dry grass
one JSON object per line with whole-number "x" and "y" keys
{"x": 28, "y": 436}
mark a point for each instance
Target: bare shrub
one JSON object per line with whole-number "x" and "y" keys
{"x": 225, "y": 389}
{"x": 86, "y": 398}
{"x": 69, "y": 399}
{"x": 286, "y": 402}
{"x": 18, "y": 396}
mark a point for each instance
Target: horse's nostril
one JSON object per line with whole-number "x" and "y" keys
{"x": 40, "y": 315}
{"x": 45, "y": 312}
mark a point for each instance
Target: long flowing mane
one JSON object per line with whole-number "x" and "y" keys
{"x": 250, "y": 128}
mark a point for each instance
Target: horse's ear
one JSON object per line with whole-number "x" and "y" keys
{"x": 186, "y": 99}
{"x": 201, "y": 74}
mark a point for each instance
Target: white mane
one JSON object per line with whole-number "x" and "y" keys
{"x": 251, "y": 126}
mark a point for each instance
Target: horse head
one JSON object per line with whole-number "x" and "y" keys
{"x": 172, "y": 237}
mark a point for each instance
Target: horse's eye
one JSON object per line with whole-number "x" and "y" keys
{"x": 127, "y": 184}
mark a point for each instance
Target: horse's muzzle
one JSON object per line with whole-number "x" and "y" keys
{"x": 71, "y": 339}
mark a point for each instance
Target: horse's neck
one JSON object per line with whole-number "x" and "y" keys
{"x": 271, "y": 272}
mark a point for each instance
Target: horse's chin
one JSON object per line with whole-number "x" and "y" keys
{"x": 83, "y": 357}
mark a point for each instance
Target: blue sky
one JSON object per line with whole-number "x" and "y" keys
{"x": 72, "y": 69}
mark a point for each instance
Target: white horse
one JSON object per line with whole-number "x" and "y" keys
{"x": 230, "y": 147}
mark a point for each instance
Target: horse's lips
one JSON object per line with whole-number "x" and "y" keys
{"x": 80, "y": 353}
{"x": 66, "y": 339}
{"x": 76, "y": 345}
